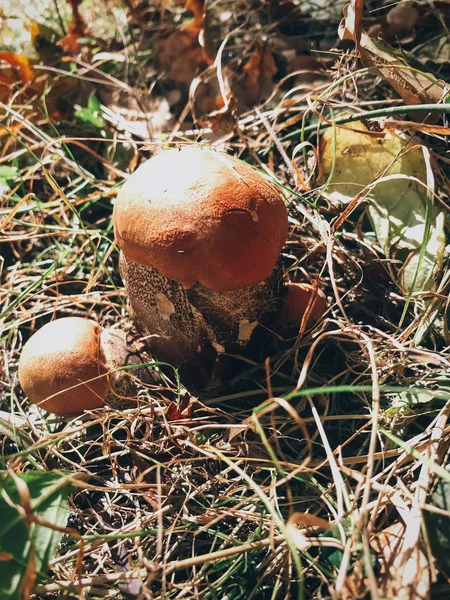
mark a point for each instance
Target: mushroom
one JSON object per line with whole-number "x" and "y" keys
{"x": 70, "y": 365}
{"x": 296, "y": 301}
{"x": 200, "y": 235}
{"x": 399, "y": 22}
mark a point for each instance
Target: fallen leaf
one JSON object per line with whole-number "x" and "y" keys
{"x": 258, "y": 81}
{"x": 414, "y": 86}
{"x": 183, "y": 410}
{"x": 393, "y": 179}
{"x": 77, "y": 29}
{"x": 309, "y": 520}
{"x": 223, "y": 119}
{"x": 20, "y": 64}
{"x": 181, "y": 56}
{"x": 423, "y": 127}
{"x": 197, "y": 8}
{"x": 350, "y": 27}
{"x": 389, "y": 545}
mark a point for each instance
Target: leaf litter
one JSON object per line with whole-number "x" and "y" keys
{"x": 313, "y": 473}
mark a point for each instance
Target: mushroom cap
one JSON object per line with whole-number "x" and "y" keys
{"x": 296, "y": 301}
{"x": 198, "y": 215}
{"x": 402, "y": 17}
{"x": 61, "y": 355}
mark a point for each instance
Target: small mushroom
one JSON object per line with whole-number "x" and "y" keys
{"x": 296, "y": 301}
{"x": 69, "y": 366}
{"x": 200, "y": 235}
{"x": 399, "y": 22}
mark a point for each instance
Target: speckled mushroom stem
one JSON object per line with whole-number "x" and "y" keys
{"x": 190, "y": 328}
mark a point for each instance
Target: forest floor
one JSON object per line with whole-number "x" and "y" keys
{"x": 320, "y": 469}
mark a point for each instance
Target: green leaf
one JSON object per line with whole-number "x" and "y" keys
{"x": 20, "y": 541}
{"x": 7, "y": 175}
{"x": 405, "y": 402}
{"x": 91, "y": 115}
{"x": 438, "y": 527}
{"x": 407, "y": 224}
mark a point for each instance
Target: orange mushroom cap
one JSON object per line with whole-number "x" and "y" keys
{"x": 198, "y": 215}
{"x": 296, "y": 301}
{"x": 57, "y": 359}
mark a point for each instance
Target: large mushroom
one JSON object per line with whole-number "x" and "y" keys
{"x": 200, "y": 235}
{"x": 70, "y": 365}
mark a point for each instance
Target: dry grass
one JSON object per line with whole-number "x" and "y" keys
{"x": 282, "y": 482}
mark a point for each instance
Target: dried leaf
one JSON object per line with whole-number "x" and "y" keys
{"x": 183, "y": 410}
{"x": 414, "y": 87}
{"x": 350, "y": 28}
{"x": 197, "y": 8}
{"x": 389, "y": 546}
{"x": 309, "y": 520}
{"x": 181, "y": 56}
{"x": 21, "y": 66}
{"x": 403, "y": 216}
{"x": 259, "y": 72}
{"x": 221, "y": 120}
{"x": 423, "y": 127}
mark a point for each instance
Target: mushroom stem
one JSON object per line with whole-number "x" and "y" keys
{"x": 189, "y": 328}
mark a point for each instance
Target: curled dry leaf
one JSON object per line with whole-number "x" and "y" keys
{"x": 181, "y": 54}
{"x": 393, "y": 178}
{"x": 413, "y": 86}
{"x": 197, "y": 23}
{"x": 77, "y": 29}
{"x": 350, "y": 27}
{"x": 257, "y": 84}
{"x": 389, "y": 546}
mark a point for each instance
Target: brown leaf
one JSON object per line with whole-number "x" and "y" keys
{"x": 21, "y": 68}
{"x": 181, "y": 56}
{"x": 350, "y": 28}
{"x": 413, "y": 86}
{"x": 197, "y": 8}
{"x": 223, "y": 120}
{"x": 77, "y": 29}
{"x": 259, "y": 71}
{"x": 424, "y": 127}
{"x": 184, "y": 410}
{"x": 308, "y": 520}
{"x": 389, "y": 544}
{"x": 4, "y": 556}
